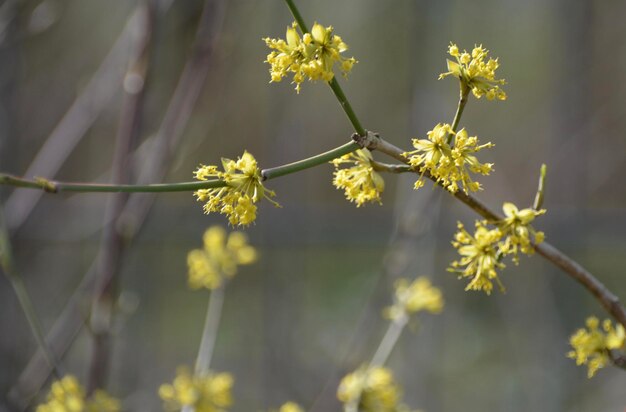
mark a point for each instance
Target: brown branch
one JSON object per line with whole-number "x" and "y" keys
{"x": 72, "y": 127}
{"x": 108, "y": 261}
{"x": 607, "y": 299}
{"x": 67, "y": 326}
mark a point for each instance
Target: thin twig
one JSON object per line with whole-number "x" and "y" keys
{"x": 209, "y": 333}
{"x": 107, "y": 269}
{"x": 11, "y": 273}
{"x": 389, "y": 341}
{"x": 80, "y": 116}
{"x": 191, "y": 81}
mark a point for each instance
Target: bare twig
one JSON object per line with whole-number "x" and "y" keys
{"x": 191, "y": 82}
{"x": 108, "y": 261}
{"x": 77, "y": 120}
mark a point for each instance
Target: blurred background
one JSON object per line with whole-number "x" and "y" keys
{"x": 133, "y": 91}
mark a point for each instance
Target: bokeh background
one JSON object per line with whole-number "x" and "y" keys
{"x": 309, "y": 311}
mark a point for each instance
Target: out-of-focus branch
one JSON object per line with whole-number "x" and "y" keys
{"x": 99, "y": 91}
{"x": 167, "y": 139}
{"x": 109, "y": 257}
{"x": 8, "y": 267}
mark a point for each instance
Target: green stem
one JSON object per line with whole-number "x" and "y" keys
{"x": 389, "y": 341}
{"x": 463, "y": 94}
{"x": 334, "y": 85}
{"x": 52, "y": 186}
{"x": 347, "y": 108}
{"x": 541, "y": 188}
{"x": 296, "y": 15}
{"x": 209, "y": 333}
{"x": 310, "y": 162}
{"x": 26, "y": 303}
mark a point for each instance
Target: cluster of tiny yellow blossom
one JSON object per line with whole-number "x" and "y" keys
{"x": 290, "y": 407}
{"x": 207, "y": 393}
{"x": 449, "y": 164}
{"x": 414, "y": 297}
{"x": 370, "y": 389}
{"x": 67, "y": 395}
{"x": 218, "y": 260}
{"x": 516, "y": 227}
{"x": 243, "y": 189}
{"x": 311, "y": 56}
{"x": 482, "y": 252}
{"x": 475, "y": 73}
{"x": 592, "y": 345}
{"x": 360, "y": 182}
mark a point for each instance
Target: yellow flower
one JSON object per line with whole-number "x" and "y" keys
{"x": 516, "y": 227}
{"x": 479, "y": 257}
{"x": 243, "y": 189}
{"x": 360, "y": 182}
{"x": 208, "y": 267}
{"x": 592, "y": 346}
{"x": 67, "y": 395}
{"x": 209, "y": 393}
{"x": 369, "y": 390}
{"x": 475, "y": 73}
{"x": 290, "y": 407}
{"x": 449, "y": 164}
{"x": 311, "y": 56}
{"x": 414, "y": 297}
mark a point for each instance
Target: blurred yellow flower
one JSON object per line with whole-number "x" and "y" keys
{"x": 475, "y": 73}
{"x": 360, "y": 182}
{"x": 208, "y": 393}
{"x": 449, "y": 164}
{"x": 479, "y": 256}
{"x": 311, "y": 56}
{"x": 519, "y": 234}
{"x": 67, "y": 395}
{"x": 592, "y": 345}
{"x": 218, "y": 260}
{"x": 369, "y": 390}
{"x": 414, "y": 297}
{"x": 243, "y": 189}
{"x": 291, "y": 407}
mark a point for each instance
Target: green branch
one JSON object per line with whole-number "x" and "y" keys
{"x": 334, "y": 85}
{"x": 54, "y": 187}
{"x": 310, "y": 162}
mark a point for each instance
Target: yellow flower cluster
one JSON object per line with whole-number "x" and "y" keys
{"x": 479, "y": 256}
{"x": 209, "y": 393}
{"x": 516, "y": 227}
{"x": 369, "y": 390}
{"x": 414, "y": 297}
{"x": 449, "y": 164}
{"x": 243, "y": 189}
{"x": 482, "y": 253}
{"x": 291, "y": 407}
{"x": 360, "y": 182}
{"x": 67, "y": 395}
{"x": 592, "y": 345}
{"x": 311, "y": 56}
{"x": 475, "y": 73}
{"x": 218, "y": 260}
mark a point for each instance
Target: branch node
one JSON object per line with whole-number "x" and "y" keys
{"x": 369, "y": 141}
{"x": 46, "y": 185}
